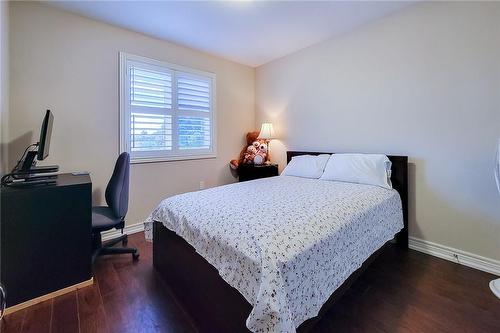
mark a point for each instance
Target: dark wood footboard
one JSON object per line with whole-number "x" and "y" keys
{"x": 214, "y": 305}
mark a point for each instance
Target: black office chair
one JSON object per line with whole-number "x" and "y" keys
{"x": 112, "y": 216}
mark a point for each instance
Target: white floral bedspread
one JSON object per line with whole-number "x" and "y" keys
{"x": 285, "y": 243}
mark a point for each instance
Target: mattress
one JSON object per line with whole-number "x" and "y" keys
{"x": 285, "y": 243}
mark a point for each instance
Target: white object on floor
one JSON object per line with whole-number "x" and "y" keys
{"x": 495, "y": 284}
{"x": 495, "y": 287}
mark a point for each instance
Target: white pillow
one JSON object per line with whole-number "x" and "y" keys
{"x": 307, "y": 166}
{"x": 371, "y": 169}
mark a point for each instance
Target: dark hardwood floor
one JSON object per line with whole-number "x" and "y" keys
{"x": 400, "y": 292}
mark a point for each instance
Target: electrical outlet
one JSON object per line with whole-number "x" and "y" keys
{"x": 202, "y": 184}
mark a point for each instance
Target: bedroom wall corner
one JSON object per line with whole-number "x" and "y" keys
{"x": 422, "y": 82}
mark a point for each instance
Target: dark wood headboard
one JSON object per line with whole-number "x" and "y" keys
{"x": 399, "y": 179}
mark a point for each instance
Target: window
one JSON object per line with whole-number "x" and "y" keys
{"x": 167, "y": 112}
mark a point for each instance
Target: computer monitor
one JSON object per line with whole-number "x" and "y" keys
{"x": 45, "y": 133}
{"x": 28, "y": 163}
{"x": 26, "y": 173}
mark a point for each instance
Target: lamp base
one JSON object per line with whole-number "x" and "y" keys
{"x": 495, "y": 287}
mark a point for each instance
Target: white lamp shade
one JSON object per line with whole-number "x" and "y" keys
{"x": 266, "y": 131}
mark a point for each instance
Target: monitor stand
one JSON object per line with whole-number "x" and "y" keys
{"x": 29, "y": 161}
{"x": 31, "y": 175}
{"x": 28, "y": 174}
{"x": 36, "y": 170}
{"x": 29, "y": 167}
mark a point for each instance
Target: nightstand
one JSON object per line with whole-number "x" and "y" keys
{"x": 252, "y": 171}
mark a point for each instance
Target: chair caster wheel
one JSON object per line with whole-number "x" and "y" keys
{"x": 135, "y": 256}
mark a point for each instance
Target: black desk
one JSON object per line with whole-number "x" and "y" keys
{"x": 46, "y": 238}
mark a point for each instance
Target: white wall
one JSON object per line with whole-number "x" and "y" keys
{"x": 4, "y": 84}
{"x": 424, "y": 83}
{"x": 69, "y": 64}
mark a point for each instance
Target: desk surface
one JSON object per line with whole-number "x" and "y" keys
{"x": 63, "y": 179}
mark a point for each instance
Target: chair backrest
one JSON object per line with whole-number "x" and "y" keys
{"x": 117, "y": 189}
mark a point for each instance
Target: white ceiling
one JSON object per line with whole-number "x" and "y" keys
{"x": 247, "y": 32}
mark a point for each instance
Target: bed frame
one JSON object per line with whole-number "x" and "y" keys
{"x": 214, "y": 305}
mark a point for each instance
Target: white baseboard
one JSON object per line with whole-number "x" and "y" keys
{"x": 129, "y": 230}
{"x": 461, "y": 257}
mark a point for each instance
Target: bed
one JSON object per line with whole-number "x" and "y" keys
{"x": 272, "y": 255}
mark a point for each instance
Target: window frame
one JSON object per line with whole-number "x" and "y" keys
{"x": 125, "y": 112}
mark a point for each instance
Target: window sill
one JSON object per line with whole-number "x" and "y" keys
{"x": 170, "y": 159}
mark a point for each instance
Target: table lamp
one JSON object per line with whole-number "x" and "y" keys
{"x": 267, "y": 133}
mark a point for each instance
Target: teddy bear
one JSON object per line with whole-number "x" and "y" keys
{"x": 254, "y": 153}
{"x": 250, "y": 153}
{"x": 261, "y": 153}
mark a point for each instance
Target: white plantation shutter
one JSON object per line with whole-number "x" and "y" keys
{"x": 193, "y": 99}
{"x": 167, "y": 111}
{"x": 150, "y": 88}
{"x": 193, "y": 93}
